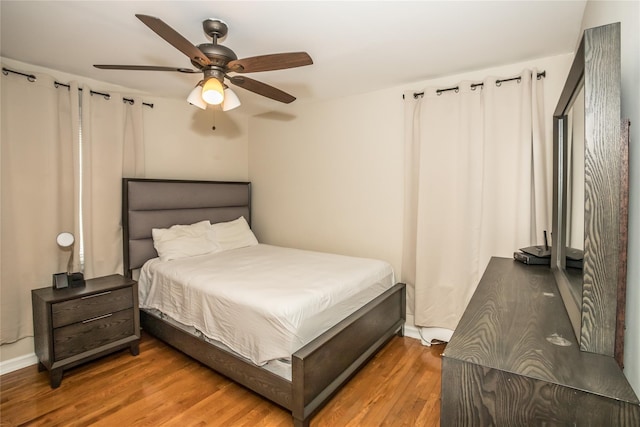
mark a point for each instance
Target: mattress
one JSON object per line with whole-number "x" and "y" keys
{"x": 263, "y": 302}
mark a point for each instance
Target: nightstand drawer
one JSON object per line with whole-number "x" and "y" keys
{"x": 92, "y": 333}
{"x": 91, "y": 306}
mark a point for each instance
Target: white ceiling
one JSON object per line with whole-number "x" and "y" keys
{"x": 357, "y": 46}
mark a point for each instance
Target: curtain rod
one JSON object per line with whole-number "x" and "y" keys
{"x": 32, "y": 78}
{"x": 456, "y": 89}
{"x": 106, "y": 95}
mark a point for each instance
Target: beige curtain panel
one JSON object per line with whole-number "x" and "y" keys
{"x": 113, "y": 147}
{"x": 39, "y": 177}
{"x": 477, "y": 185}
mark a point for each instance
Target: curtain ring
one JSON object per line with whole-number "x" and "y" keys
{"x": 498, "y": 83}
{"x": 128, "y": 101}
{"x": 105, "y": 95}
{"x": 519, "y": 79}
{"x": 30, "y": 77}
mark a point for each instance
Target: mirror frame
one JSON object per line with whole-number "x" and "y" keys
{"x": 596, "y": 68}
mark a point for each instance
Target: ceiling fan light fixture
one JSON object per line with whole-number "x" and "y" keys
{"x": 195, "y": 97}
{"x": 231, "y": 100}
{"x": 215, "y": 60}
{"x": 212, "y": 92}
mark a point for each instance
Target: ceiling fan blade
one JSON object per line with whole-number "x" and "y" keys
{"x": 262, "y": 89}
{"x": 145, "y": 68}
{"x": 276, "y": 61}
{"x": 175, "y": 39}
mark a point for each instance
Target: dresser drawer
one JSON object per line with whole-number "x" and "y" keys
{"x": 91, "y": 306}
{"x": 92, "y": 333}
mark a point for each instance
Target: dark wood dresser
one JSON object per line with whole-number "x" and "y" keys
{"x": 74, "y": 325}
{"x": 514, "y": 360}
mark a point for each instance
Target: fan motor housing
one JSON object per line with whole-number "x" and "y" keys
{"x": 218, "y": 55}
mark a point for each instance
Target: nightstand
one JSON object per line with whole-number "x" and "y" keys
{"x": 74, "y": 325}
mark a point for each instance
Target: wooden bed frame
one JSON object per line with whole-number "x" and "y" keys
{"x": 321, "y": 367}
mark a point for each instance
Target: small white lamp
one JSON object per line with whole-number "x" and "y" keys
{"x": 63, "y": 280}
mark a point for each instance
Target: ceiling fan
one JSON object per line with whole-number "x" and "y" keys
{"x": 215, "y": 62}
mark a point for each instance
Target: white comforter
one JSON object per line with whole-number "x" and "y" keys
{"x": 264, "y": 302}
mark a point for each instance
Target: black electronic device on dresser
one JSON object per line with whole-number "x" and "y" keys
{"x": 75, "y": 325}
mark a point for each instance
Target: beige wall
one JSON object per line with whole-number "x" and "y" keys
{"x": 179, "y": 143}
{"x": 628, "y": 14}
{"x": 330, "y": 177}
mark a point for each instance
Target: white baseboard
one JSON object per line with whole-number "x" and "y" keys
{"x": 17, "y": 363}
{"x": 427, "y": 335}
{"x": 411, "y": 331}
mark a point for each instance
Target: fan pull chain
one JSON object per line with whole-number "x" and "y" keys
{"x": 214, "y": 119}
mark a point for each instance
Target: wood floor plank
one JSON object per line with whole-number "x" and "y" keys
{"x": 400, "y": 386}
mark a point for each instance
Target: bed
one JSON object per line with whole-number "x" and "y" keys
{"x": 319, "y": 368}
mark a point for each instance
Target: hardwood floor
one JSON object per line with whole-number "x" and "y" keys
{"x": 400, "y": 386}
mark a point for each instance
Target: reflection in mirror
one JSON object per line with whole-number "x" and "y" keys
{"x": 574, "y": 190}
{"x": 575, "y": 175}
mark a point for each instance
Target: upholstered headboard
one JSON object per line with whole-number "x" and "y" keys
{"x": 156, "y": 203}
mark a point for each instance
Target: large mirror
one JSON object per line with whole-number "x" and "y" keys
{"x": 588, "y": 191}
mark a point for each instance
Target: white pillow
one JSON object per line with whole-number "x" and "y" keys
{"x": 234, "y": 234}
{"x": 181, "y": 241}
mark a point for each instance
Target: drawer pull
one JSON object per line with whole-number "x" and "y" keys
{"x": 97, "y": 318}
{"x": 96, "y": 295}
